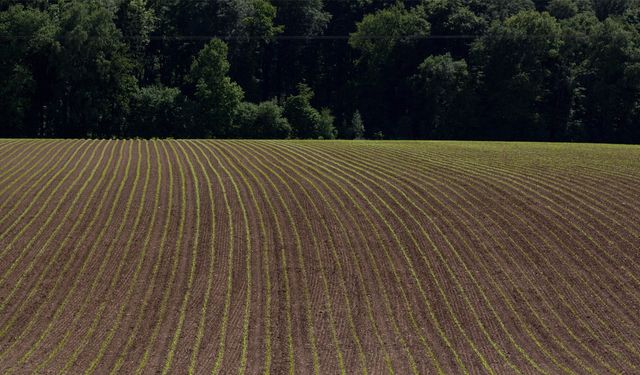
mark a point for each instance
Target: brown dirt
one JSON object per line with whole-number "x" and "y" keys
{"x": 395, "y": 256}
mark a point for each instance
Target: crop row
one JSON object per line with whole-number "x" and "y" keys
{"x": 318, "y": 257}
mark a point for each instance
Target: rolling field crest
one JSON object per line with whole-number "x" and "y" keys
{"x": 318, "y": 257}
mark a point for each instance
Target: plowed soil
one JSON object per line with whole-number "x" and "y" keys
{"x": 318, "y": 257}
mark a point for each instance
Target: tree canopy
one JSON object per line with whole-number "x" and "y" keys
{"x": 547, "y": 70}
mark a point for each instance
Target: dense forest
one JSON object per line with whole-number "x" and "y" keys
{"x": 547, "y": 70}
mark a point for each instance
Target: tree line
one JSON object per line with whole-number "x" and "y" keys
{"x": 543, "y": 70}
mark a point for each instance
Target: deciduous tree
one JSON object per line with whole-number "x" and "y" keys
{"x": 216, "y": 96}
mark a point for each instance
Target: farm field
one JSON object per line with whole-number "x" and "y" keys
{"x": 318, "y": 257}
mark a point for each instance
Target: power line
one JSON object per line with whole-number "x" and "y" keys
{"x": 278, "y": 37}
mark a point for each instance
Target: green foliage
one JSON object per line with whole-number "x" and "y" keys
{"x": 21, "y": 62}
{"x": 450, "y": 17}
{"x": 503, "y": 9}
{"x": 255, "y": 32}
{"x": 156, "y": 111}
{"x": 262, "y": 121}
{"x": 608, "y": 81}
{"x": 305, "y": 18}
{"x": 524, "y": 85}
{"x": 562, "y": 9}
{"x": 378, "y": 34}
{"x": 442, "y": 82}
{"x": 457, "y": 21}
{"x": 259, "y": 20}
{"x": 355, "y": 130}
{"x": 442, "y": 75}
{"x": 245, "y": 120}
{"x": 216, "y": 96}
{"x": 492, "y": 69}
{"x": 606, "y": 8}
{"x": 32, "y": 4}
{"x": 304, "y": 119}
{"x": 34, "y": 28}
{"x": 326, "y": 128}
{"x": 94, "y": 80}
{"x": 16, "y": 90}
{"x": 136, "y": 21}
